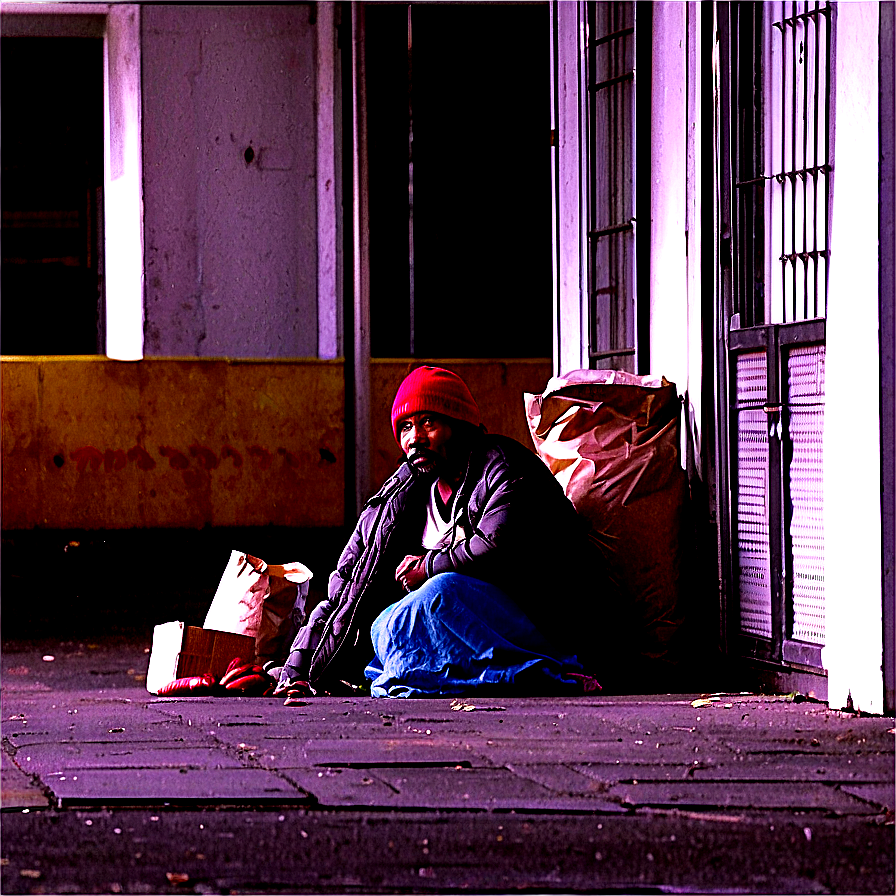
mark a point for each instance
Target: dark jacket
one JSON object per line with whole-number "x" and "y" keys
{"x": 520, "y": 533}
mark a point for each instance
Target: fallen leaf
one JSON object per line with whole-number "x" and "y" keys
{"x": 177, "y": 877}
{"x": 704, "y": 701}
{"x": 29, "y": 872}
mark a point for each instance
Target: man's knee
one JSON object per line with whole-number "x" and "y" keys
{"x": 444, "y": 580}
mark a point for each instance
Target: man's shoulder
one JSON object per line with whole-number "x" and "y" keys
{"x": 392, "y": 484}
{"x": 506, "y": 451}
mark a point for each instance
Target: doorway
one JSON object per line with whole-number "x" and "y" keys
{"x": 458, "y": 116}
{"x": 52, "y": 181}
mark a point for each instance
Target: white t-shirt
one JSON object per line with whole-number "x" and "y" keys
{"x": 437, "y": 531}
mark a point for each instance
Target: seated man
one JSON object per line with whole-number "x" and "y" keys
{"x": 465, "y": 569}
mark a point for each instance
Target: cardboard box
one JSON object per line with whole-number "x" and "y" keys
{"x": 179, "y": 651}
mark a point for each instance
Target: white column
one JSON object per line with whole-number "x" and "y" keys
{"x": 852, "y": 471}
{"x": 327, "y": 293}
{"x": 670, "y": 203}
{"x": 123, "y": 184}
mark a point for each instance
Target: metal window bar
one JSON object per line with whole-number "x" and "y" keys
{"x": 610, "y": 62}
{"x": 781, "y": 78}
{"x": 748, "y": 147}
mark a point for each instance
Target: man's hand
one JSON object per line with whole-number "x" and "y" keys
{"x": 411, "y": 572}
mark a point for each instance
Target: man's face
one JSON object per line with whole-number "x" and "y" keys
{"x": 423, "y": 438}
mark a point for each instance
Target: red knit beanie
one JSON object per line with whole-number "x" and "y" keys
{"x": 437, "y": 390}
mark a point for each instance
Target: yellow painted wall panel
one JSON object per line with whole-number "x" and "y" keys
{"x": 85, "y": 418}
{"x": 95, "y": 444}
{"x": 180, "y": 413}
{"x": 20, "y": 444}
{"x": 98, "y": 444}
{"x": 286, "y": 422}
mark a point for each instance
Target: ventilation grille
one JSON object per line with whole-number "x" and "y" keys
{"x": 805, "y": 369}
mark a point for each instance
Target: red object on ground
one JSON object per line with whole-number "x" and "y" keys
{"x": 254, "y": 684}
{"x": 240, "y": 671}
{"x": 194, "y": 686}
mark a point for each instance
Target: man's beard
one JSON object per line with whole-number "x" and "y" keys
{"x": 422, "y": 460}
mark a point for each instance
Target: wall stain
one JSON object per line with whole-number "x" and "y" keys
{"x": 206, "y": 458}
{"x": 177, "y": 460}
{"x": 116, "y": 459}
{"x": 85, "y": 456}
{"x": 262, "y": 455}
{"x": 142, "y": 458}
{"x": 233, "y": 454}
{"x": 291, "y": 459}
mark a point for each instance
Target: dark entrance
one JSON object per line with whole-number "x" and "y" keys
{"x": 458, "y": 115}
{"x": 52, "y": 137}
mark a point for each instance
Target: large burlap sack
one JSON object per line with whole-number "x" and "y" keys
{"x": 612, "y": 440}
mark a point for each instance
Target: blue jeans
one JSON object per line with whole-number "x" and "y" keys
{"x": 456, "y": 634}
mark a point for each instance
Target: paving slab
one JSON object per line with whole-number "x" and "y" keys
{"x": 410, "y": 750}
{"x": 92, "y": 723}
{"x": 133, "y": 851}
{"x": 102, "y": 787}
{"x": 880, "y": 795}
{"x": 19, "y": 790}
{"x": 796, "y": 767}
{"x": 817, "y": 744}
{"x": 799, "y": 797}
{"x": 48, "y": 758}
{"x": 480, "y": 789}
{"x": 560, "y": 779}
{"x": 614, "y": 772}
{"x": 743, "y": 794}
{"x": 342, "y": 788}
{"x": 500, "y": 751}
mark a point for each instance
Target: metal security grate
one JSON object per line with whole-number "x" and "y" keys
{"x": 611, "y": 177}
{"x": 782, "y": 161}
{"x": 797, "y": 78}
{"x": 775, "y": 154}
{"x": 754, "y": 569}
{"x": 806, "y": 395}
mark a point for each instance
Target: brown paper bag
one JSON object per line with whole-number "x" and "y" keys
{"x": 264, "y": 601}
{"x": 612, "y": 440}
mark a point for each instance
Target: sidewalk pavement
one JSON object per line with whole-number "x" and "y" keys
{"x": 106, "y": 788}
